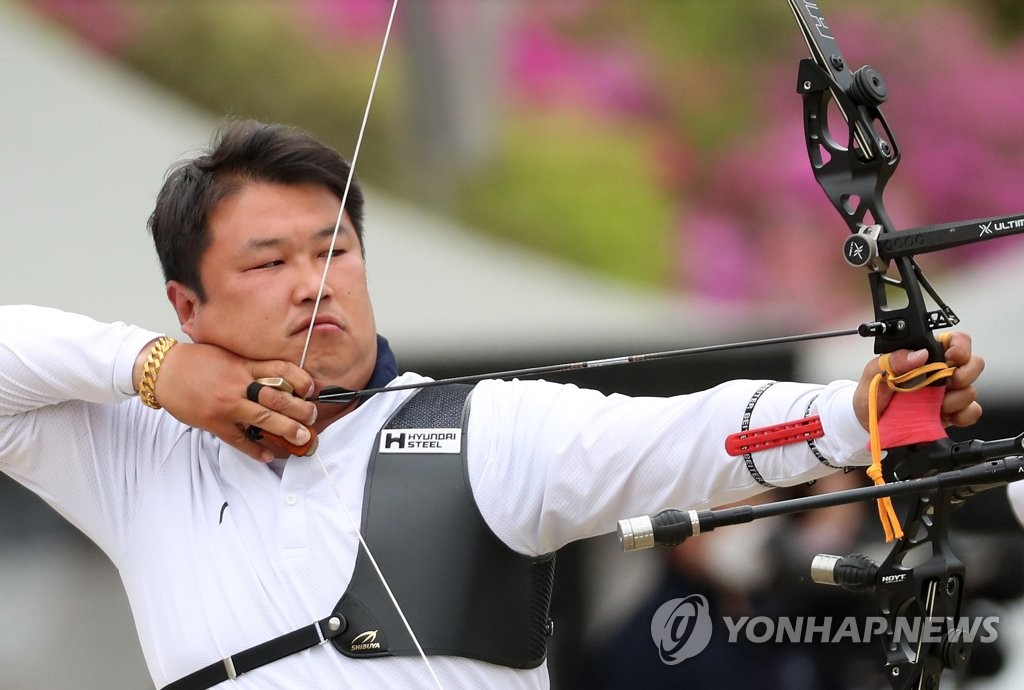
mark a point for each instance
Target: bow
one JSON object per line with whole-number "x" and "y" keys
{"x": 921, "y": 577}
{"x": 853, "y": 174}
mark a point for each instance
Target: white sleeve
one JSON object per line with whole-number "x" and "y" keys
{"x": 553, "y": 463}
{"x": 48, "y": 356}
{"x": 70, "y": 428}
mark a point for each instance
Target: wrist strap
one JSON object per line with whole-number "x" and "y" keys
{"x": 154, "y": 360}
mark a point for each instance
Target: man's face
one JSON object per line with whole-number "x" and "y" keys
{"x": 261, "y": 274}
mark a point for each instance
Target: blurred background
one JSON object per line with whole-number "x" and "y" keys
{"x": 546, "y": 180}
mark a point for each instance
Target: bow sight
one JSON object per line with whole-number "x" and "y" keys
{"x": 921, "y": 577}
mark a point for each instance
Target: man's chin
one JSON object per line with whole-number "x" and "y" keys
{"x": 343, "y": 379}
{"x": 329, "y": 369}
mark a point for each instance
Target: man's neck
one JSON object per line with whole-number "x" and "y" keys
{"x": 384, "y": 371}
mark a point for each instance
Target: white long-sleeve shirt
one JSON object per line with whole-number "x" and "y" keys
{"x": 218, "y": 552}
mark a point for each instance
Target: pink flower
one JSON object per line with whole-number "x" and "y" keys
{"x": 546, "y": 69}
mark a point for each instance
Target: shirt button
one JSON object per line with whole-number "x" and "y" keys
{"x": 290, "y": 499}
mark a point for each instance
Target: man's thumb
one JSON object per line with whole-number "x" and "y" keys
{"x": 903, "y": 361}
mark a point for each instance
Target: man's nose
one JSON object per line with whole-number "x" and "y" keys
{"x": 308, "y": 281}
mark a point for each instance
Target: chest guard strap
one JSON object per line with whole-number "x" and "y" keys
{"x": 464, "y": 592}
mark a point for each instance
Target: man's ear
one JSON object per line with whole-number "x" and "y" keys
{"x": 186, "y": 305}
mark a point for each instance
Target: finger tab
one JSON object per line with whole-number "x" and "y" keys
{"x": 305, "y": 450}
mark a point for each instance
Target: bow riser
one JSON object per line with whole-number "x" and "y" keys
{"x": 853, "y": 175}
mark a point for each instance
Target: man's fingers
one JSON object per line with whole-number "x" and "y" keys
{"x": 967, "y": 373}
{"x": 967, "y": 416}
{"x": 282, "y": 402}
{"x": 968, "y": 366}
{"x": 273, "y": 408}
{"x": 958, "y": 349}
{"x": 270, "y": 421}
{"x": 237, "y": 438}
{"x": 957, "y": 400}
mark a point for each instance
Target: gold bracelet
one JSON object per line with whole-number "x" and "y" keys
{"x": 154, "y": 360}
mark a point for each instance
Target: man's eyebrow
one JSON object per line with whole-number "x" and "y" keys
{"x": 328, "y": 233}
{"x": 255, "y": 244}
{"x": 344, "y": 233}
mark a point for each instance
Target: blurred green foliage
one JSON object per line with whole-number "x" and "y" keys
{"x": 252, "y": 59}
{"x": 579, "y": 190}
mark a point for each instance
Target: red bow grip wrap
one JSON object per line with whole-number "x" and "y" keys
{"x": 912, "y": 417}
{"x": 257, "y": 434}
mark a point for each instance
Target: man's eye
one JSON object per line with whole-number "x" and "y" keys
{"x": 268, "y": 264}
{"x": 336, "y": 252}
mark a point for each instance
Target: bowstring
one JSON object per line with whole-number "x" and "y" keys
{"x": 309, "y": 336}
{"x": 348, "y": 183}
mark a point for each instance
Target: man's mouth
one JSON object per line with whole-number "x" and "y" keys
{"x": 322, "y": 323}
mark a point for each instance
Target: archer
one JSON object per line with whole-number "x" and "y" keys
{"x": 237, "y": 556}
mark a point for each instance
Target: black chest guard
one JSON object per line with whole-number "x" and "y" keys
{"x": 464, "y": 592}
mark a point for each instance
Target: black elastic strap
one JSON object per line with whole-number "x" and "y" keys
{"x": 748, "y": 457}
{"x": 254, "y": 657}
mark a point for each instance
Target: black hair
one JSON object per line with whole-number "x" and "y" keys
{"x": 242, "y": 152}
